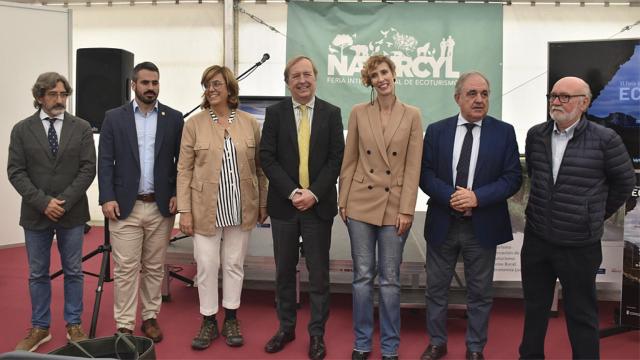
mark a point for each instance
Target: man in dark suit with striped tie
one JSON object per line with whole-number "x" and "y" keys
{"x": 52, "y": 163}
{"x": 470, "y": 167}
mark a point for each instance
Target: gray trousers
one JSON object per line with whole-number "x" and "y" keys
{"x": 478, "y": 271}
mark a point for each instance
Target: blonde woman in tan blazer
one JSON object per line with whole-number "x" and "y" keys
{"x": 378, "y": 190}
{"x": 222, "y": 192}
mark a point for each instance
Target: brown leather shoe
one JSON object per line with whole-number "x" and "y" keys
{"x": 474, "y": 355}
{"x": 434, "y": 352}
{"x": 151, "y": 329}
{"x": 124, "y": 330}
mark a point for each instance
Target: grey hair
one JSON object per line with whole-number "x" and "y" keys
{"x": 46, "y": 82}
{"x": 464, "y": 76}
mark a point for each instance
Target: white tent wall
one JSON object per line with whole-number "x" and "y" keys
{"x": 182, "y": 40}
{"x": 23, "y": 45}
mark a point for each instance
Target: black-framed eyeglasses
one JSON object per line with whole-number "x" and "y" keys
{"x": 564, "y": 98}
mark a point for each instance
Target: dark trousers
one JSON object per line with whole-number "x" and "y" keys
{"x": 479, "y": 263}
{"x": 316, "y": 241}
{"x": 576, "y": 268}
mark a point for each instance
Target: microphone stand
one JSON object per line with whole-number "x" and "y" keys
{"x": 241, "y": 77}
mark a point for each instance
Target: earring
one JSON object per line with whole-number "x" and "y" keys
{"x": 371, "y": 102}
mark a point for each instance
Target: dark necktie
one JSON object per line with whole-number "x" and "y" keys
{"x": 52, "y": 136}
{"x": 462, "y": 169}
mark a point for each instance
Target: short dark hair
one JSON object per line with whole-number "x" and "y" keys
{"x": 45, "y": 82}
{"x": 232, "y": 85}
{"x": 147, "y": 65}
{"x": 293, "y": 62}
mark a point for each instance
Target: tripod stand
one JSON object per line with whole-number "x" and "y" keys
{"x": 104, "y": 275}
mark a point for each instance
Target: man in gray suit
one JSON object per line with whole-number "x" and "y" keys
{"x": 52, "y": 162}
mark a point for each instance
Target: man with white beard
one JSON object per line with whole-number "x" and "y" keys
{"x": 580, "y": 175}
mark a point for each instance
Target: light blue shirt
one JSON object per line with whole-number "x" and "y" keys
{"x": 559, "y": 141}
{"x": 146, "y": 125}
{"x": 461, "y": 131}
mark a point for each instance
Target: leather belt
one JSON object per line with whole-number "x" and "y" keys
{"x": 146, "y": 197}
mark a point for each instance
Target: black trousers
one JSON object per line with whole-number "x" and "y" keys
{"x": 576, "y": 268}
{"x": 316, "y": 241}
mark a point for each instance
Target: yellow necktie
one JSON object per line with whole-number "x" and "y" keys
{"x": 304, "y": 133}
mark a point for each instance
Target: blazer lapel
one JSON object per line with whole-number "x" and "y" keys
{"x": 290, "y": 124}
{"x": 485, "y": 140}
{"x": 448, "y": 138}
{"x": 397, "y": 115}
{"x": 36, "y": 127}
{"x": 66, "y": 134}
{"x": 376, "y": 129}
{"x": 316, "y": 125}
{"x": 132, "y": 133}
{"x": 161, "y": 125}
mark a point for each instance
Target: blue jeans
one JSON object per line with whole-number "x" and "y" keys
{"x": 38, "y": 244}
{"x": 364, "y": 238}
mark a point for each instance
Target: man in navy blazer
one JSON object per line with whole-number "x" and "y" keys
{"x": 137, "y": 167}
{"x": 470, "y": 167}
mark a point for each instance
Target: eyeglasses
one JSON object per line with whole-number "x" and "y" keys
{"x": 564, "y": 98}
{"x": 53, "y": 94}
{"x": 217, "y": 85}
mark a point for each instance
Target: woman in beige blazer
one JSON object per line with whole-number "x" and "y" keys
{"x": 222, "y": 192}
{"x": 378, "y": 190}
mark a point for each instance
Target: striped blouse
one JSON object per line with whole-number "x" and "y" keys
{"x": 229, "y": 207}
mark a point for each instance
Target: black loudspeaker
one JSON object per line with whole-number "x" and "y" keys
{"x": 103, "y": 78}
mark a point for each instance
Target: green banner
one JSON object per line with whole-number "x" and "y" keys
{"x": 431, "y": 45}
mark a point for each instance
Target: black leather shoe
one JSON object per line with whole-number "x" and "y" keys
{"x": 360, "y": 355}
{"x": 278, "y": 341}
{"x": 474, "y": 355}
{"x": 317, "y": 349}
{"x": 390, "y": 357}
{"x": 434, "y": 352}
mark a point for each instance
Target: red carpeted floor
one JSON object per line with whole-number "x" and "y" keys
{"x": 180, "y": 321}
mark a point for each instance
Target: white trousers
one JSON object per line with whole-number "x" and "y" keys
{"x": 208, "y": 255}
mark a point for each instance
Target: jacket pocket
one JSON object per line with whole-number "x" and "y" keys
{"x": 251, "y": 149}
{"x": 358, "y": 177}
{"x": 196, "y": 185}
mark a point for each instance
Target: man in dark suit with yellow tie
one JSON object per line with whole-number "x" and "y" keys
{"x": 52, "y": 163}
{"x": 301, "y": 154}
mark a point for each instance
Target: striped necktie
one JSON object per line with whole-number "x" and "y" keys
{"x": 304, "y": 133}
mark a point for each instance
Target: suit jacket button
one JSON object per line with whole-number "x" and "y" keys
{"x": 388, "y": 172}
{"x": 386, "y": 189}
{"x": 368, "y": 152}
{"x": 371, "y": 171}
{"x": 370, "y": 187}
{"x": 394, "y": 153}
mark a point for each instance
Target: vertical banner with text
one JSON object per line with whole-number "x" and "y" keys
{"x": 431, "y": 44}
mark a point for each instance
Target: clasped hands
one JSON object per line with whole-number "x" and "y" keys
{"x": 303, "y": 199}
{"x": 463, "y": 199}
{"x": 55, "y": 209}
